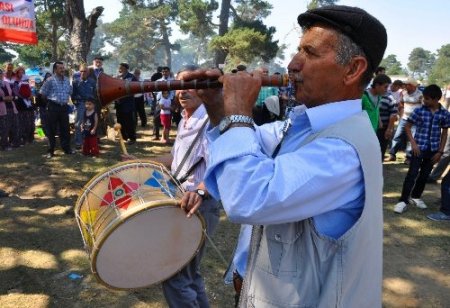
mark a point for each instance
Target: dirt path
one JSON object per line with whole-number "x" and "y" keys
{"x": 41, "y": 246}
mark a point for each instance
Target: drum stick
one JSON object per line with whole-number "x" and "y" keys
{"x": 117, "y": 128}
{"x": 225, "y": 262}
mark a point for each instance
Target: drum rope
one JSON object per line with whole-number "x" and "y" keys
{"x": 215, "y": 248}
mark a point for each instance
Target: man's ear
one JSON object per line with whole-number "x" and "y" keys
{"x": 355, "y": 69}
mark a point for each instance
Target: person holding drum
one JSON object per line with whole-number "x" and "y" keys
{"x": 311, "y": 186}
{"x": 188, "y": 164}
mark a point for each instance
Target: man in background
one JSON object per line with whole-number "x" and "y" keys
{"x": 57, "y": 90}
{"x": 139, "y": 101}
{"x": 126, "y": 108}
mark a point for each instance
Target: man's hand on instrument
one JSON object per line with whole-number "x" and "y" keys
{"x": 190, "y": 202}
{"x": 240, "y": 91}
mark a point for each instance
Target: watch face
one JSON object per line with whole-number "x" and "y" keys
{"x": 201, "y": 192}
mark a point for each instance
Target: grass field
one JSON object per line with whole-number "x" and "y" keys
{"x": 40, "y": 243}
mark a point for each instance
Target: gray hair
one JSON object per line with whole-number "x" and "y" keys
{"x": 347, "y": 49}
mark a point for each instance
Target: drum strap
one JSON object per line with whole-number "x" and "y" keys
{"x": 185, "y": 176}
{"x": 188, "y": 152}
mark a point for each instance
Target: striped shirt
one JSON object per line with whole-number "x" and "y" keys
{"x": 57, "y": 90}
{"x": 428, "y": 127}
{"x": 388, "y": 108}
{"x": 187, "y": 131}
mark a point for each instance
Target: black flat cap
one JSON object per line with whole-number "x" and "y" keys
{"x": 364, "y": 29}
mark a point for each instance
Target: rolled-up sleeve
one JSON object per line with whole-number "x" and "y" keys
{"x": 317, "y": 178}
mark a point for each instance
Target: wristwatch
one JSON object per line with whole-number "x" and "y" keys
{"x": 201, "y": 193}
{"x": 240, "y": 119}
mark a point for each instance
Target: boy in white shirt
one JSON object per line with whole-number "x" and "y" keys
{"x": 166, "y": 105}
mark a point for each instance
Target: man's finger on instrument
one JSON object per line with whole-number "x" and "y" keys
{"x": 191, "y": 75}
{"x": 194, "y": 208}
{"x": 256, "y": 74}
{"x": 188, "y": 200}
{"x": 185, "y": 200}
{"x": 213, "y": 73}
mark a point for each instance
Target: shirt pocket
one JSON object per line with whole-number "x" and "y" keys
{"x": 279, "y": 250}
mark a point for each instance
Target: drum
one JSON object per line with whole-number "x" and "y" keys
{"x": 132, "y": 226}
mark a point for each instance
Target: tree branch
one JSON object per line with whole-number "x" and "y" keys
{"x": 235, "y": 13}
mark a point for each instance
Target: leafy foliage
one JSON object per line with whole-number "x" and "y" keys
{"x": 440, "y": 73}
{"x": 196, "y": 17}
{"x": 420, "y": 61}
{"x": 133, "y": 46}
{"x": 241, "y": 44}
{"x": 98, "y": 46}
{"x": 192, "y": 51}
{"x": 392, "y": 65}
{"x": 5, "y": 56}
{"x": 252, "y": 9}
{"x": 269, "y": 48}
{"x": 318, "y": 3}
{"x": 141, "y": 34}
{"x": 247, "y": 18}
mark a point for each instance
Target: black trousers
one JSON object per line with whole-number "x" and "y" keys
{"x": 58, "y": 116}
{"x": 383, "y": 141}
{"x": 156, "y": 122}
{"x": 445, "y": 194}
{"x": 140, "y": 110}
{"x": 416, "y": 178}
{"x": 126, "y": 119}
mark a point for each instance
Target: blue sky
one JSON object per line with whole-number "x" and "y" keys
{"x": 409, "y": 23}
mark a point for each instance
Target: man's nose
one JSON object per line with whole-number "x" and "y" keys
{"x": 296, "y": 64}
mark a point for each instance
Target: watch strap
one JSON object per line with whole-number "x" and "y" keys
{"x": 202, "y": 194}
{"x": 236, "y": 120}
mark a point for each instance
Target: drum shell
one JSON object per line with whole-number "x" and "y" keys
{"x": 101, "y": 225}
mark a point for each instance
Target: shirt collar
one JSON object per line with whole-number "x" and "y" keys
{"x": 198, "y": 114}
{"x": 328, "y": 114}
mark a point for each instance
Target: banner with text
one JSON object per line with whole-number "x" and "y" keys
{"x": 17, "y": 21}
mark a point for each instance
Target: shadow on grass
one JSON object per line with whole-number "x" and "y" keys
{"x": 416, "y": 249}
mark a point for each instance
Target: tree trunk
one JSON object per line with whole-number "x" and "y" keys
{"x": 166, "y": 44}
{"x": 221, "y": 55}
{"x": 81, "y": 30}
{"x": 55, "y": 38}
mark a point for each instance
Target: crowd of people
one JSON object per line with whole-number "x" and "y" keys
{"x": 17, "y": 109}
{"x": 306, "y": 183}
{"x": 422, "y": 132}
{"x": 49, "y": 100}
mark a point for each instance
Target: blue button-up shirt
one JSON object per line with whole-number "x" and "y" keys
{"x": 428, "y": 127}
{"x": 57, "y": 89}
{"x": 83, "y": 90}
{"x": 323, "y": 179}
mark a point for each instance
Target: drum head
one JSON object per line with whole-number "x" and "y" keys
{"x": 148, "y": 247}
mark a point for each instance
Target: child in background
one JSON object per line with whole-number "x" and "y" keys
{"x": 166, "y": 105}
{"x": 89, "y": 129}
{"x": 372, "y": 97}
{"x": 427, "y": 146}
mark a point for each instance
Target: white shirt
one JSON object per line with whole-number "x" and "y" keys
{"x": 186, "y": 133}
{"x": 411, "y": 102}
{"x": 165, "y": 103}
